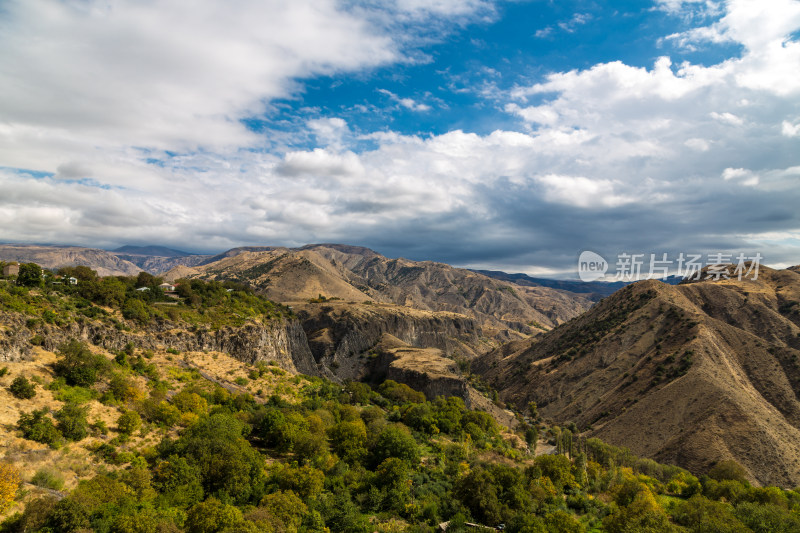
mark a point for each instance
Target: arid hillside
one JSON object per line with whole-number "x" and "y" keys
{"x": 690, "y": 374}
{"x": 53, "y": 257}
{"x": 504, "y": 310}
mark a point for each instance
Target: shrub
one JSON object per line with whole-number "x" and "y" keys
{"x": 212, "y": 516}
{"x": 400, "y": 392}
{"x": 22, "y": 388}
{"x": 77, "y": 365}
{"x": 48, "y": 478}
{"x": 37, "y": 340}
{"x": 128, "y": 422}
{"x": 37, "y": 426}
{"x": 728, "y": 470}
{"x": 72, "y": 422}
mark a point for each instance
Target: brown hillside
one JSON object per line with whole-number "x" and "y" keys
{"x": 505, "y": 311}
{"x": 690, "y": 374}
{"x": 52, "y": 257}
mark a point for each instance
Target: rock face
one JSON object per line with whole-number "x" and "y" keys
{"x": 156, "y": 264}
{"x": 429, "y": 371}
{"x": 341, "y": 335}
{"x": 283, "y": 342}
{"x": 689, "y": 374}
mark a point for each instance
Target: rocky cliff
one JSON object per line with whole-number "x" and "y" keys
{"x": 342, "y": 336}
{"x": 281, "y": 341}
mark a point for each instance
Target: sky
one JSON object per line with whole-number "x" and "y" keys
{"x": 508, "y": 135}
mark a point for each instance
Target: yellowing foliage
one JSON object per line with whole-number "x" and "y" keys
{"x": 9, "y": 482}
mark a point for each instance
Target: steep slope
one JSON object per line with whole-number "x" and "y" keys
{"x": 51, "y": 257}
{"x": 690, "y": 374}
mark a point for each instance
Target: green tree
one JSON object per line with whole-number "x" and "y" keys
{"x": 230, "y": 468}
{"x": 72, "y": 422}
{"x": 30, "y": 275}
{"x": 37, "y": 426}
{"x": 396, "y": 441}
{"x": 135, "y": 309}
{"x": 728, "y": 470}
{"x": 178, "y": 482}
{"x": 128, "y": 422}
{"x": 699, "y": 514}
{"x": 642, "y": 515}
{"x": 563, "y": 522}
{"x": 77, "y": 365}
{"x": 213, "y": 516}
{"x": 68, "y": 515}
{"x": 478, "y": 491}
{"x": 22, "y": 388}
{"x": 348, "y": 440}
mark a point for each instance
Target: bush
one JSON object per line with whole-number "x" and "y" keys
{"x": 22, "y": 388}
{"x": 48, "y": 478}
{"x": 212, "y": 516}
{"x": 136, "y": 309}
{"x": 128, "y": 422}
{"x": 77, "y": 365}
{"x": 728, "y": 470}
{"x": 72, "y": 422}
{"x": 37, "y": 426}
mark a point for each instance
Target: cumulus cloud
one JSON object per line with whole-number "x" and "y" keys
{"x": 668, "y": 157}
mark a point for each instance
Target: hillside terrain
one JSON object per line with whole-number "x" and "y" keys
{"x": 157, "y": 259}
{"x": 55, "y": 257}
{"x": 503, "y": 310}
{"x": 127, "y": 410}
{"x": 690, "y": 374}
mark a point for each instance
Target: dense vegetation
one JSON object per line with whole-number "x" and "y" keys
{"x": 77, "y": 293}
{"x": 354, "y": 458}
{"x": 328, "y": 457}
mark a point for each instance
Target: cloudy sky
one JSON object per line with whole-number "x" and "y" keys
{"x": 509, "y": 135}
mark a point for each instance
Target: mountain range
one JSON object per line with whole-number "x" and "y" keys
{"x": 690, "y": 374}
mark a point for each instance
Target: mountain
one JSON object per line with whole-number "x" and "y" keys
{"x": 158, "y": 259}
{"x": 53, "y": 257}
{"x": 158, "y": 251}
{"x": 596, "y": 290}
{"x": 503, "y": 310}
{"x": 689, "y": 374}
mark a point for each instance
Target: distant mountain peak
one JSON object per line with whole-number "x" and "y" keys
{"x": 153, "y": 250}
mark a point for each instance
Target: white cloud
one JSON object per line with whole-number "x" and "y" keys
{"x": 700, "y": 145}
{"x": 580, "y": 191}
{"x": 578, "y": 19}
{"x": 127, "y": 73}
{"x": 790, "y": 130}
{"x": 408, "y": 103}
{"x": 727, "y": 118}
{"x": 613, "y": 153}
{"x": 321, "y": 162}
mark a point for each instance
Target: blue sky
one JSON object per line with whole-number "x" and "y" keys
{"x": 508, "y": 135}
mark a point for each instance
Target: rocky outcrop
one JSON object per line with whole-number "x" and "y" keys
{"x": 341, "y": 336}
{"x": 429, "y": 371}
{"x": 283, "y": 342}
